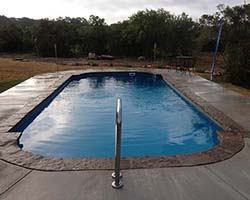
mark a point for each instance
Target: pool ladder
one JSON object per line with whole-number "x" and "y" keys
{"x": 117, "y": 175}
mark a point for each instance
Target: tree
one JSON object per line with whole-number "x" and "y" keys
{"x": 237, "y": 44}
{"x": 11, "y": 39}
{"x": 54, "y": 32}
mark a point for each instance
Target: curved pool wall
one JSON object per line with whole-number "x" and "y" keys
{"x": 157, "y": 119}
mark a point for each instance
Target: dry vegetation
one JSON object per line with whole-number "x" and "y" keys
{"x": 13, "y": 72}
{"x": 204, "y": 63}
{"x": 16, "y": 70}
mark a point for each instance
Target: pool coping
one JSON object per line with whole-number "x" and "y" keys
{"x": 231, "y": 139}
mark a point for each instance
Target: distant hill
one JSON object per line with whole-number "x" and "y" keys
{"x": 5, "y": 21}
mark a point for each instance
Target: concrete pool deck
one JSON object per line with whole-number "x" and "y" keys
{"x": 229, "y": 179}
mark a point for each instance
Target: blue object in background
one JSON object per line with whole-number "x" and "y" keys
{"x": 216, "y": 50}
{"x": 80, "y": 121}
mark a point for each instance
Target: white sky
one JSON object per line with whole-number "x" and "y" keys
{"x": 111, "y": 10}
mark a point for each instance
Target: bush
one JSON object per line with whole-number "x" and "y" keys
{"x": 160, "y": 65}
{"x": 238, "y": 64}
{"x": 93, "y": 63}
{"x": 237, "y": 38}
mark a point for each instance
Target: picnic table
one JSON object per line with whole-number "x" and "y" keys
{"x": 184, "y": 62}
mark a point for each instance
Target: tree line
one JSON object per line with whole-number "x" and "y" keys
{"x": 235, "y": 40}
{"x": 77, "y": 36}
{"x": 173, "y": 34}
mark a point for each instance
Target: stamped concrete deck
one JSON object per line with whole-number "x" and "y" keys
{"x": 229, "y": 179}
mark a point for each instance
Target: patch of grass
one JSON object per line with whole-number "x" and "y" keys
{"x": 14, "y": 70}
{"x": 204, "y": 62}
{"x": 160, "y": 65}
{"x": 127, "y": 65}
{"x": 5, "y": 85}
{"x": 93, "y": 63}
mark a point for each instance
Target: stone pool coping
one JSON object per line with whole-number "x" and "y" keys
{"x": 231, "y": 139}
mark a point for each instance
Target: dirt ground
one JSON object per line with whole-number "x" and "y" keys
{"x": 14, "y": 70}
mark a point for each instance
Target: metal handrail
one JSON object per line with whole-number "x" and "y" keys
{"x": 117, "y": 184}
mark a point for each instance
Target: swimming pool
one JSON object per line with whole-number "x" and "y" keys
{"x": 79, "y": 122}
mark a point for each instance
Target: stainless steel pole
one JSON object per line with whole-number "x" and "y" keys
{"x": 55, "y": 48}
{"x": 117, "y": 184}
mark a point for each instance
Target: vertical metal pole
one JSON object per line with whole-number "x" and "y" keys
{"x": 155, "y": 48}
{"x": 55, "y": 48}
{"x": 216, "y": 50}
{"x": 117, "y": 184}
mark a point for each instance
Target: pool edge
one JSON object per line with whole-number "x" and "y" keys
{"x": 231, "y": 142}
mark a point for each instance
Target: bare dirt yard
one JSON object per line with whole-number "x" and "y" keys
{"x": 17, "y": 68}
{"x": 12, "y": 72}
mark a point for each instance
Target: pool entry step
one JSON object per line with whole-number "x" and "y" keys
{"x": 117, "y": 183}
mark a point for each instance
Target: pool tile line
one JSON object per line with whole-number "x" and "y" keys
{"x": 230, "y": 144}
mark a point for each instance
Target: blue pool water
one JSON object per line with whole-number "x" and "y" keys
{"x": 80, "y": 121}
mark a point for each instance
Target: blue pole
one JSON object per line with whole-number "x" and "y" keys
{"x": 216, "y": 50}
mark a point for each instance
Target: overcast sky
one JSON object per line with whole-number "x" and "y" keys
{"x": 111, "y": 10}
